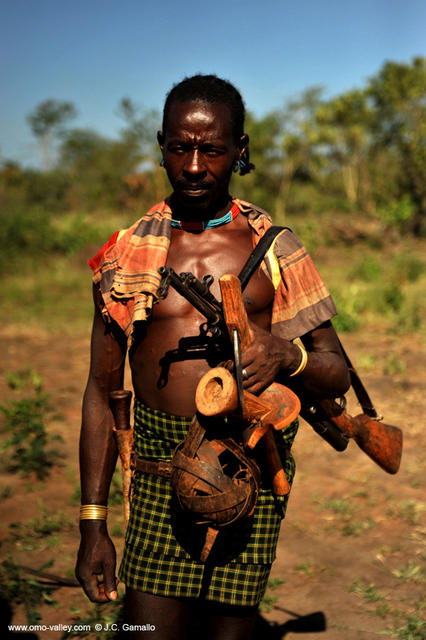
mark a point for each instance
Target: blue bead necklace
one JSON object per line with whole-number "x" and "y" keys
{"x": 202, "y": 225}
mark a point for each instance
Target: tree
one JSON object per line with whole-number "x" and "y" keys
{"x": 141, "y": 128}
{"x": 47, "y": 122}
{"x": 345, "y": 131}
{"x": 398, "y": 93}
{"x": 261, "y": 184}
{"x": 299, "y": 138}
{"x": 97, "y": 167}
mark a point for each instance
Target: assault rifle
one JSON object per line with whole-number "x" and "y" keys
{"x": 329, "y": 418}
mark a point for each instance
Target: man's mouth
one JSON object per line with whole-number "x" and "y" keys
{"x": 198, "y": 193}
{"x": 193, "y": 189}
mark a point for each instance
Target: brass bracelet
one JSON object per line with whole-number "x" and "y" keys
{"x": 93, "y": 512}
{"x": 303, "y": 362}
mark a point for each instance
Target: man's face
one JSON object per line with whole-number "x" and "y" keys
{"x": 199, "y": 153}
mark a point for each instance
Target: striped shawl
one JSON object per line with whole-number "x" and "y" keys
{"x": 126, "y": 271}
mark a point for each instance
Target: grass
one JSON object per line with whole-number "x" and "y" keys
{"x": 28, "y": 441}
{"x": 394, "y": 366}
{"x": 409, "y": 511}
{"x": 366, "y": 362}
{"x": 15, "y": 588}
{"x": 338, "y": 505}
{"x": 5, "y": 493}
{"x": 344, "y": 508}
{"x": 407, "y": 625}
{"x": 108, "y": 616}
{"x": 307, "y": 568}
{"x": 39, "y": 532}
{"x": 366, "y": 591}
{"x": 56, "y": 278}
{"x": 270, "y": 599}
{"x": 413, "y": 628}
{"x": 377, "y": 289}
{"x": 357, "y": 528}
{"x": 411, "y": 572}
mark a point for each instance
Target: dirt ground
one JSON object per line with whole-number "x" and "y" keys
{"x": 352, "y": 545}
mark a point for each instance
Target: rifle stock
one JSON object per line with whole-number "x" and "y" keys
{"x": 380, "y": 441}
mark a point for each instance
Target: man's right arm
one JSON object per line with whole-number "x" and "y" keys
{"x": 98, "y": 456}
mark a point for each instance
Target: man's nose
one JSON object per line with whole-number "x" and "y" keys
{"x": 194, "y": 164}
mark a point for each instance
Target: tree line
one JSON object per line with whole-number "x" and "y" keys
{"x": 361, "y": 151}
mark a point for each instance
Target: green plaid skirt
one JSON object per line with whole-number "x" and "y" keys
{"x": 163, "y": 544}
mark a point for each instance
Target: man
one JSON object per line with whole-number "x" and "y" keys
{"x": 200, "y": 228}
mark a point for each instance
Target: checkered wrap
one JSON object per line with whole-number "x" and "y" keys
{"x": 163, "y": 545}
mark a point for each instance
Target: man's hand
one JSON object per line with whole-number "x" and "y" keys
{"x": 96, "y": 558}
{"x": 265, "y": 357}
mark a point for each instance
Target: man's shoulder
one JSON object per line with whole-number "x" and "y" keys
{"x": 260, "y": 221}
{"x": 120, "y": 239}
{"x": 251, "y": 210}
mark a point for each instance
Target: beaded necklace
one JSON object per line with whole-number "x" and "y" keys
{"x": 202, "y": 225}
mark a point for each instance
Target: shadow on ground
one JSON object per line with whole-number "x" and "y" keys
{"x": 311, "y": 623}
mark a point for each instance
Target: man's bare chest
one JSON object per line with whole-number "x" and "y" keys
{"x": 214, "y": 254}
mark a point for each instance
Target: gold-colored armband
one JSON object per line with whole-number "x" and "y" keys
{"x": 93, "y": 512}
{"x": 303, "y": 362}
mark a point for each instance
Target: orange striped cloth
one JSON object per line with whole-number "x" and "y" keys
{"x": 126, "y": 271}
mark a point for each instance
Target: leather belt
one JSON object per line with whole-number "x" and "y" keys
{"x": 160, "y": 468}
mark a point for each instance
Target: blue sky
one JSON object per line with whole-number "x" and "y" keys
{"x": 94, "y": 52}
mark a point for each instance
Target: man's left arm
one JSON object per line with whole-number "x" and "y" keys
{"x": 270, "y": 358}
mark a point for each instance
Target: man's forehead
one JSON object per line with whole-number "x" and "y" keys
{"x": 199, "y": 114}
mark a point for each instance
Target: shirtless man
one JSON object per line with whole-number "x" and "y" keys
{"x": 202, "y": 141}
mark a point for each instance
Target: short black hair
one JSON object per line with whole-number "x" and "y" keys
{"x": 213, "y": 90}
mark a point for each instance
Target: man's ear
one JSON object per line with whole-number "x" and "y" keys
{"x": 243, "y": 143}
{"x": 160, "y": 139}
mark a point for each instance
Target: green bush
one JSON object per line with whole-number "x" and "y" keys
{"x": 398, "y": 213}
{"x": 393, "y": 297}
{"x": 348, "y": 305}
{"x": 74, "y": 232}
{"x": 407, "y": 267}
{"x": 368, "y": 269}
{"x": 30, "y": 234}
{"x": 26, "y": 230}
{"x": 414, "y": 629}
{"x": 25, "y": 423}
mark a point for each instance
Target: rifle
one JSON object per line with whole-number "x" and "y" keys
{"x": 329, "y": 418}
{"x": 381, "y": 442}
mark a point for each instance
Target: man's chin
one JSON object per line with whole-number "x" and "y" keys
{"x": 203, "y": 204}
{"x": 194, "y": 199}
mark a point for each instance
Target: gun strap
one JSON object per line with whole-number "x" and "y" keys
{"x": 358, "y": 387}
{"x": 257, "y": 255}
{"x": 245, "y": 274}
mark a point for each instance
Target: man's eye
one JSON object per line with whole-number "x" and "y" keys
{"x": 211, "y": 152}
{"x": 176, "y": 149}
